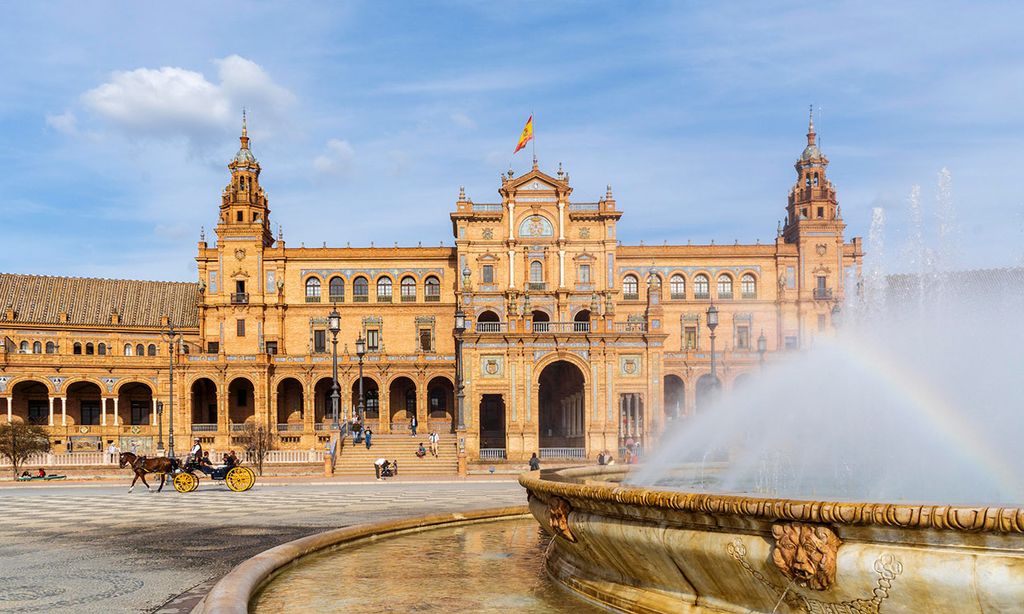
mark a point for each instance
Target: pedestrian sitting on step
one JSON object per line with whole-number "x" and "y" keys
{"x": 421, "y": 452}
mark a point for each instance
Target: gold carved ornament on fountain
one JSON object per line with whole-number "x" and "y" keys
{"x": 806, "y": 553}
{"x": 558, "y": 517}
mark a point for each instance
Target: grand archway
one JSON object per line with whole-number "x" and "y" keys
{"x": 561, "y": 402}
{"x": 204, "y": 405}
{"x": 402, "y": 404}
{"x": 30, "y": 402}
{"x": 441, "y": 405}
{"x": 241, "y": 402}
{"x": 675, "y": 398}
{"x": 290, "y": 399}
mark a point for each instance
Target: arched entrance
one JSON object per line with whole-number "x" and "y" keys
{"x": 323, "y": 411}
{"x": 705, "y": 393}
{"x": 84, "y": 409}
{"x": 30, "y": 402}
{"x": 560, "y": 414}
{"x": 135, "y": 403}
{"x": 204, "y": 405}
{"x": 488, "y": 322}
{"x": 581, "y": 322}
{"x": 241, "y": 402}
{"x": 290, "y": 400}
{"x": 402, "y": 404}
{"x": 371, "y": 399}
{"x": 441, "y": 405}
{"x": 675, "y": 398}
{"x": 541, "y": 321}
{"x": 492, "y": 426}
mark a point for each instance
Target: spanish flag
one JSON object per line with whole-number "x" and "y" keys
{"x": 526, "y": 136}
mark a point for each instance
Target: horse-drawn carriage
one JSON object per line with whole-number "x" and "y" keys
{"x": 184, "y": 478}
{"x": 237, "y": 478}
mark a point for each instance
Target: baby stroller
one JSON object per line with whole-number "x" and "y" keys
{"x": 385, "y": 468}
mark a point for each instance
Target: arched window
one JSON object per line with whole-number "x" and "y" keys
{"x": 537, "y": 275}
{"x": 724, "y": 286}
{"x": 151, "y": 350}
{"x": 37, "y": 347}
{"x": 488, "y": 322}
{"x": 432, "y": 290}
{"x": 384, "y": 290}
{"x": 336, "y": 287}
{"x": 677, "y": 286}
{"x": 748, "y": 285}
{"x": 77, "y": 349}
{"x": 630, "y": 288}
{"x": 360, "y": 290}
{"x": 89, "y": 349}
{"x": 140, "y": 350}
{"x": 101, "y": 349}
{"x": 701, "y": 288}
{"x": 23, "y": 347}
{"x": 51, "y": 347}
{"x": 128, "y": 349}
{"x": 312, "y": 290}
{"x": 408, "y": 289}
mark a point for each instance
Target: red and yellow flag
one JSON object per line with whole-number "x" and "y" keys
{"x": 526, "y": 136}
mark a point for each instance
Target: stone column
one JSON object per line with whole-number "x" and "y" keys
{"x": 10, "y": 410}
{"x": 115, "y": 410}
{"x": 51, "y": 410}
{"x": 103, "y": 412}
{"x": 152, "y": 414}
{"x": 63, "y": 411}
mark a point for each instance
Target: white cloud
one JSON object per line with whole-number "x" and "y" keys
{"x": 66, "y": 122}
{"x": 337, "y": 158}
{"x": 463, "y": 121}
{"x": 176, "y": 102}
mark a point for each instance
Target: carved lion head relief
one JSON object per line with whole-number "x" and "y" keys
{"x": 806, "y": 554}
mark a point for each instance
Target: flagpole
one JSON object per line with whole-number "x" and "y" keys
{"x": 533, "y": 140}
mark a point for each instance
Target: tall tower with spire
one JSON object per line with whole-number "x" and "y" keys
{"x": 812, "y": 200}
{"x": 244, "y": 210}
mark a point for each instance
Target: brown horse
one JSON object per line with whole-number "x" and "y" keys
{"x": 141, "y": 465}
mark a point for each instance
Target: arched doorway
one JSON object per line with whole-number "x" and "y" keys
{"x": 30, "y": 402}
{"x": 402, "y": 404}
{"x": 290, "y": 399}
{"x": 492, "y": 426}
{"x": 135, "y": 403}
{"x": 560, "y": 414}
{"x": 581, "y": 322}
{"x": 675, "y": 398}
{"x": 488, "y": 322}
{"x": 241, "y": 402}
{"x": 84, "y": 409}
{"x": 541, "y": 321}
{"x": 705, "y": 392}
{"x": 323, "y": 411}
{"x": 371, "y": 399}
{"x": 742, "y": 381}
{"x": 441, "y": 405}
{"x": 204, "y": 405}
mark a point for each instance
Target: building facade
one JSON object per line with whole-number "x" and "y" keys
{"x": 575, "y": 343}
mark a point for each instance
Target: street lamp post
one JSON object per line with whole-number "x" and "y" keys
{"x": 334, "y": 325}
{"x": 360, "y": 352}
{"x": 160, "y": 427}
{"x": 172, "y": 338}
{"x": 460, "y": 396}
{"x": 712, "y": 325}
{"x": 762, "y": 347}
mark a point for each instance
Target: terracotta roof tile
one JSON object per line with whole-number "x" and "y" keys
{"x": 40, "y": 299}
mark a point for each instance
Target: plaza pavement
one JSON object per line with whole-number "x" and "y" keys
{"x": 97, "y": 548}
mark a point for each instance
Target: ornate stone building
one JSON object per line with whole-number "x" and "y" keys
{"x": 575, "y": 343}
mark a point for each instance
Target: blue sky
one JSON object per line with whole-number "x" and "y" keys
{"x": 117, "y": 119}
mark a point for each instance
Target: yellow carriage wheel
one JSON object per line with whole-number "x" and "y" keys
{"x": 252, "y": 477}
{"x": 238, "y": 479}
{"x": 185, "y": 482}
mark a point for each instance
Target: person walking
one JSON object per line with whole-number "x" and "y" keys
{"x": 434, "y": 439}
{"x": 368, "y": 437}
{"x": 413, "y": 424}
{"x": 534, "y": 462}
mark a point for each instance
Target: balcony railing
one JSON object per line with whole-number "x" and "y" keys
{"x": 725, "y": 295}
{"x": 564, "y": 453}
{"x": 491, "y": 327}
{"x": 630, "y": 296}
{"x": 204, "y": 428}
{"x": 408, "y": 298}
{"x": 536, "y": 285}
{"x": 360, "y": 298}
{"x": 337, "y": 298}
{"x": 492, "y": 454}
{"x": 432, "y": 298}
{"x": 312, "y": 299}
{"x": 542, "y": 327}
{"x": 823, "y": 294}
{"x": 240, "y": 298}
{"x": 290, "y": 426}
{"x": 677, "y": 296}
{"x": 701, "y": 296}
{"x": 237, "y": 427}
{"x": 383, "y": 298}
{"x": 561, "y": 327}
{"x": 487, "y": 208}
{"x": 749, "y": 295}
{"x": 584, "y": 206}
{"x": 631, "y": 327}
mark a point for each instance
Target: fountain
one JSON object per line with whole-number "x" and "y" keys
{"x": 872, "y": 473}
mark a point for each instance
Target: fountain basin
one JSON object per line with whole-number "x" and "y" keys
{"x": 645, "y": 550}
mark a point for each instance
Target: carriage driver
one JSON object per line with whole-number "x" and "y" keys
{"x": 196, "y": 452}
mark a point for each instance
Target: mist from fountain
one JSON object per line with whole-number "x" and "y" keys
{"x": 915, "y": 399}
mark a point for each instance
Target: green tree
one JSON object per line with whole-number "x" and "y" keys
{"x": 19, "y": 442}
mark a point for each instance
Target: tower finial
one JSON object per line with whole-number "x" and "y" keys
{"x": 810, "y": 126}
{"x": 534, "y": 161}
{"x": 245, "y": 131}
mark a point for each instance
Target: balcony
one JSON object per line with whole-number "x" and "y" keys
{"x": 536, "y": 285}
{"x": 491, "y": 327}
{"x": 408, "y": 298}
{"x": 204, "y": 428}
{"x": 290, "y": 427}
{"x": 432, "y": 298}
{"x": 312, "y": 299}
{"x": 725, "y": 296}
{"x": 486, "y": 208}
{"x": 337, "y": 298}
{"x": 360, "y": 298}
{"x": 749, "y": 295}
{"x": 823, "y": 294}
{"x": 677, "y": 296}
{"x": 701, "y": 296}
{"x": 630, "y": 296}
{"x": 631, "y": 327}
{"x": 561, "y": 327}
{"x": 383, "y": 298}
{"x": 240, "y": 298}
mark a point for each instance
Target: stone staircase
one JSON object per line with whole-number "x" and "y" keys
{"x": 356, "y": 460}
